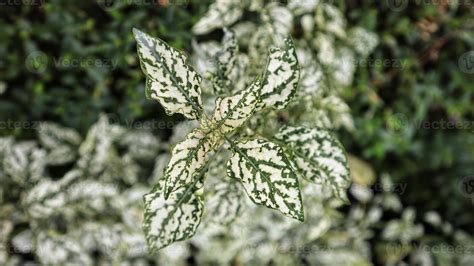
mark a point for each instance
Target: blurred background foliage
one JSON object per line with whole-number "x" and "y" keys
{"x": 414, "y": 75}
{"x": 399, "y": 108}
{"x": 68, "y": 61}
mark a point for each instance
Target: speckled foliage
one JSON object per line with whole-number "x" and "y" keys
{"x": 254, "y": 177}
{"x": 286, "y": 158}
{"x": 268, "y": 166}
{"x": 173, "y": 209}
{"x": 72, "y": 200}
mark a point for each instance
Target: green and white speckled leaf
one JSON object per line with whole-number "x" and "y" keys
{"x": 299, "y": 7}
{"x": 173, "y": 219}
{"x": 330, "y": 18}
{"x": 319, "y": 156}
{"x": 338, "y": 111}
{"x": 312, "y": 79}
{"x": 188, "y": 158}
{"x": 225, "y": 204}
{"x": 225, "y": 61}
{"x": 221, "y": 13}
{"x": 281, "y": 77}
{"x": 24, "y": 162}
{"x": 61, "y": 143}
{"x": 52, "y": 135}
{"x": 364, "y": 42}
{"x": 267, "y": 176}
{"x": 170, "y": 80}
{"x": 279, "y": 21}
{"x": 233, "y": 111}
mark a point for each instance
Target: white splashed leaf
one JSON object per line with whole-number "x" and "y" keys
{"x": 232, "y": 112}
{"x": 267, "y": 176}
{"x": 170, "y": 80}
{"x": 173, "y": 219}
{"x": 319, "y": 156}
{"x": 279, "y": 21}
{"x": 61, "y": 143}
{"x": 188, "y": 158}
{"x": 225, "y": 205}
{"x": 225, "y": 61}
{"x": 281, "y": 77}
{"x": 221, "y": 13}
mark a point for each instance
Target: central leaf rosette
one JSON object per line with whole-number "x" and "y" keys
{"x": 267, "y": 168}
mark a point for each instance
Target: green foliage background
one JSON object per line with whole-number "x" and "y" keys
{"x": 388, "y": 102}
{"x": 82, "y": 30}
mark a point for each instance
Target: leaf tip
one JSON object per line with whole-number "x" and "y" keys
{"x": 138, "y": 34}
{"x": 166, "y": 193}
{"x": 301, "y": 218}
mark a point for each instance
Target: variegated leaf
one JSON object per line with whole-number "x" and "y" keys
{"x": 226, "y": 203}
{"x": 364, "y": 41}
{"x": 170, "y": 80}
{"x": 173, "y": 219}
{"x": 299, "y": 7}
{"x": 319, "y": 156}
{"x": 52, "y": 135}
{"x": 330, "y": 18}
{"x": 225, "y": 62}
{"x": 233, "y": 111}
{"x": 141, "y": 144}
{"x": 188, "y": 158}
{"x": 24, "y": 162}
{"x": 240, "y": 75}
{"x": 312, "y": 78}
{"x": 259, "y": 42}
{"x": 279, "y": 21}
{"x": 267, "y": 176}
{"x": 339, "y": 112}
{"x": 61, "y": 143}
{"x": 221, "y": 13}
{"x": 55, "y": 248}
{"x": 281, "y": 77}
{"x": 202, "y": 59}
